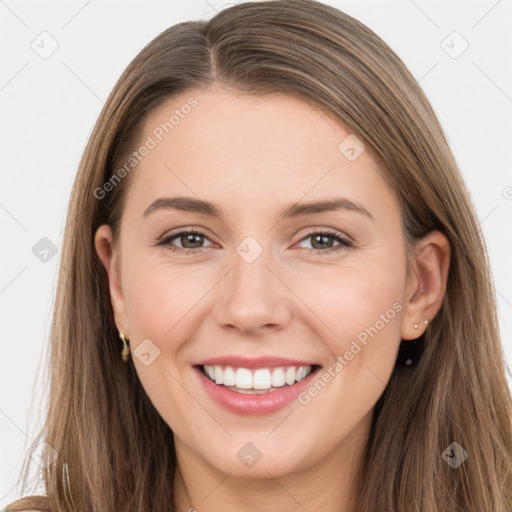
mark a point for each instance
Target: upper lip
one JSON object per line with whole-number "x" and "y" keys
{"x": 253, "y": 362}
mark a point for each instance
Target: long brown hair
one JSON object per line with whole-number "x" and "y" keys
{"x": 107, "y": 435}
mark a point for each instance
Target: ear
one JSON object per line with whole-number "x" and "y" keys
{"x": 426, "y": 283}
{"x": 109, "y": 257}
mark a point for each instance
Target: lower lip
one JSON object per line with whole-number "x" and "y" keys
{"x": 257, "y": 404}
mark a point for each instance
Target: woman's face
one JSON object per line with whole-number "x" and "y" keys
{"x": 313, "y": 287}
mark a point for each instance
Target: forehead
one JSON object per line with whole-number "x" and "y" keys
{"x": 225, "y": 116}
{"x": 231, "y": 147}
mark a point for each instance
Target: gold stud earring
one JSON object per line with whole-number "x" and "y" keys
{"x": 126, "y": 349}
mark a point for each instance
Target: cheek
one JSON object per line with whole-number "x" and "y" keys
{"x": 361, "y": 314}
{"x": 160, "y": 306}
{"x": 360, "y": 310}
{"x": 160, "y": 298}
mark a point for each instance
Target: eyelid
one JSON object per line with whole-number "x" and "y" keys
{"x": 176, "y": 233}
{"x": 344, "y": 241}
{"x": 330, "y": 231}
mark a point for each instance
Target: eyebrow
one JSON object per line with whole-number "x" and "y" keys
{"x": 190, "y": 204}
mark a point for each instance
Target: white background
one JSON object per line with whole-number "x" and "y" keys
{"x": 48, "y": 108}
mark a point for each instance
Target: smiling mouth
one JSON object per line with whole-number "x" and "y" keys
{"x": 256, "y": 381}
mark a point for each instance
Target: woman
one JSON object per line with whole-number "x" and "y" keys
{"x": 256, "y": 372}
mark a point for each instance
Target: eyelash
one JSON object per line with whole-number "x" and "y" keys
{"x": 344, "y": 243}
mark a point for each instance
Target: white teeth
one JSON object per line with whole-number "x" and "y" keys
{"x": 290, "y": 376}
{"x": 278, "y": 378}
{"x": 303, "y": 372}
{"x": 243, "y": 378}
{"x": 228, "y": 378}
{"x": 218, "y": 375}
{"x": 261, "y": 378}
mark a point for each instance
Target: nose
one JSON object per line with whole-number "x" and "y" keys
{"x": 253, "y": 297}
